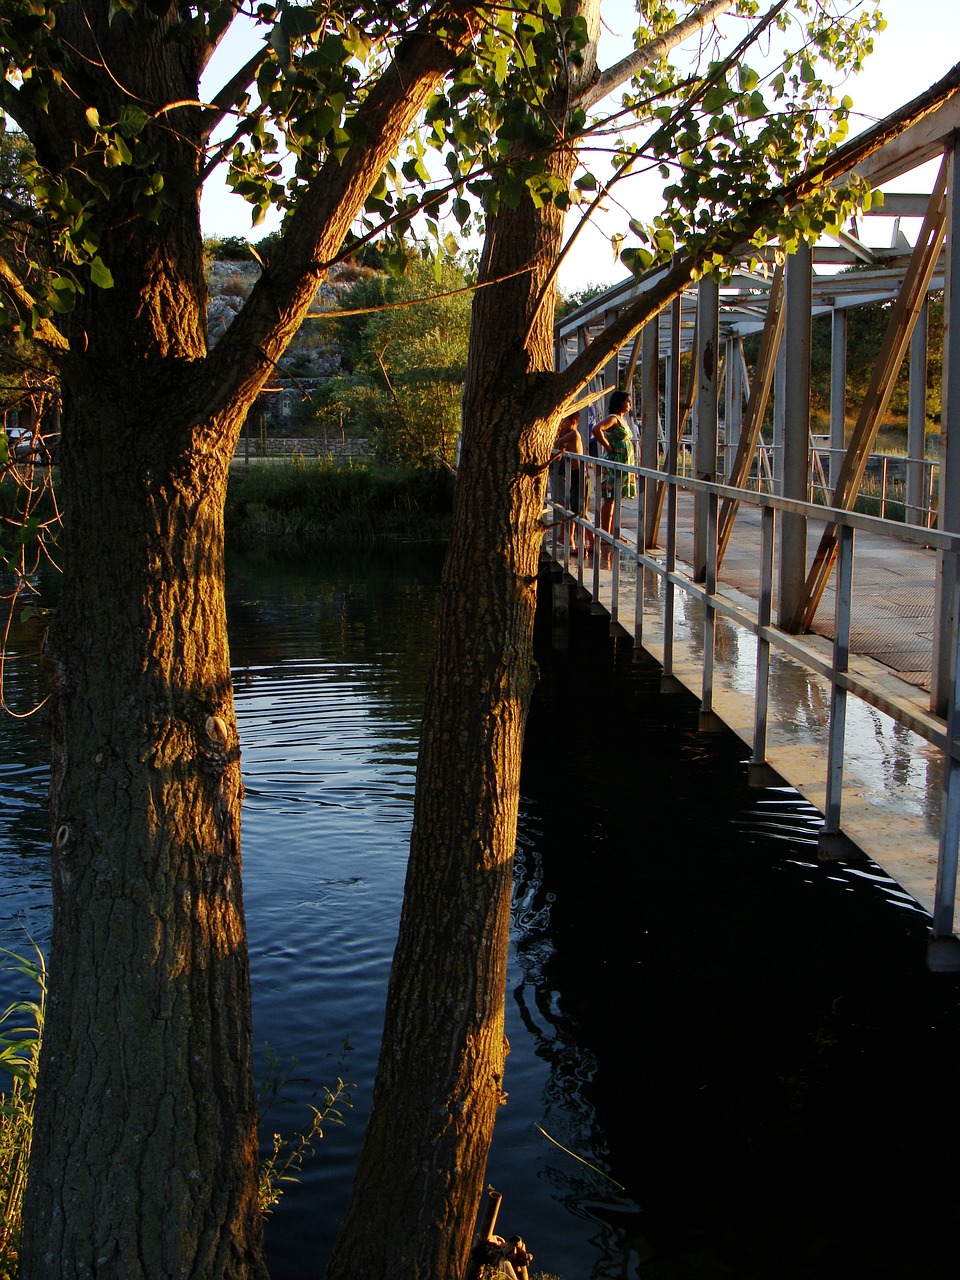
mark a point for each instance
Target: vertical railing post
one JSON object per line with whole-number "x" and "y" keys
{"x": 830, "y": 835}
{"x": 708, "y": 721}
{"x": 597, "y": 541}
{"x": 759, "y": 769}
{"x": 615, "y": 550}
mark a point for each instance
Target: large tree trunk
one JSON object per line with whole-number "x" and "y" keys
{"x": 144, "y": 1150}
{"x": 144, "y": 1159}
{"x": 440, "y": 1076}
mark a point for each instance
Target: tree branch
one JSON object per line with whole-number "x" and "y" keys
{"x": 664, "y": 283}
{"x": 19, "y": 109}
{"x": 46, "y": 332}
{"x": 227, "y": 96}
{"x": 635, "y": 61}
{"x": 208, "y": 48}
{"x": 698, "y": 91}
{"x": 319, "y": 224}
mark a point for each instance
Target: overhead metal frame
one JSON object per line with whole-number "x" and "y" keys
{"x": 900, "y": 273}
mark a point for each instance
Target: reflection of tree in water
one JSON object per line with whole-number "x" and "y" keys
{"x": 374, "y": 602}
{"x": 570, "y": 1118}
{"x": 750, "y": 1025}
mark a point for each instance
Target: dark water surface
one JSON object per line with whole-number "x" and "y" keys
{"x": 747, "y": 1068}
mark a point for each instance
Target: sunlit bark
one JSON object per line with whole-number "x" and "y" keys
{"x": 144, "y": 1160}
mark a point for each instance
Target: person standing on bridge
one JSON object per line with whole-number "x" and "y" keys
{"x": 615, "y": 436}
{"x": 573, "y": 496}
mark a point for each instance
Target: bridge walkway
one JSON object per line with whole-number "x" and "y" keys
{"x": 783, "y": 695}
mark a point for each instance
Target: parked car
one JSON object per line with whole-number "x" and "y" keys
{"x": 19, "y": 442}
{"x": 24, "y": 446}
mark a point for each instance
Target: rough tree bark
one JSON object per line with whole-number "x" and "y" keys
{"x": 440, "y": 1076}
{"x": 144, "y": 1151}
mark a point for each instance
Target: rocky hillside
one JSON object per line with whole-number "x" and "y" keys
{"x": 230, "y": 284}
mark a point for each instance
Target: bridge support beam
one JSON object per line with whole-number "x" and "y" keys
{"x": 650, "y": 422}
{"x": 707, "y": 392}
{"x": 946, "y": 654}
{"x": 838, "y": 393}
{"x": 917, "y": 494}
{"x": 796, "y": 429}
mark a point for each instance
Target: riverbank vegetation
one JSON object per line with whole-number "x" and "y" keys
{"x": 21, "y": 1032}
{"x": 311, "y": 500}
{"x": 404, "y": 352}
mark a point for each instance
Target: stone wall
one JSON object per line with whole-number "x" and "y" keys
{"x": 304, "y": 446}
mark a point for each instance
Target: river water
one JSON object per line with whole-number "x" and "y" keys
{"x": 728, "y": 1060}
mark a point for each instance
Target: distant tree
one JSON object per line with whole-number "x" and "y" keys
{"x": 567, "y": 302}
{"x": 228, "y": 248}
{"x": 407, "y": 364}
{"x": 866, "y": 327}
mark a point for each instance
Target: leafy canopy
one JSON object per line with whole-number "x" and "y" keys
{"x": 720, "y": 127}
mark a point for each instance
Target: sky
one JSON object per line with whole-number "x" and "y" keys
{"x": 920, "y": 44}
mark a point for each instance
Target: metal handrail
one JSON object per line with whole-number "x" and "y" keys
{"x": 937, "y": 730}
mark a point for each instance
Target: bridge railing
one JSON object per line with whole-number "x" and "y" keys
{"x": 618, "y": 548}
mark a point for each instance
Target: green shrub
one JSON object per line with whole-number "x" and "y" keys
{"x": 334, "y": 500}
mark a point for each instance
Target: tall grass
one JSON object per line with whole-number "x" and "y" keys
{"x": 21, "y": 1031}
{"x": 327, "y": 500}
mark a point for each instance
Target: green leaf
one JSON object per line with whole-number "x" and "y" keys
{"x": 62, "y": 295}
{"x": 756, "y": 108}
{"x": 92, "y": 116}
{"x": 636, "y": 260}
{"x": 279, "y": 42}
{"x": 132, "y": 121}
{"x": 100, "y": 274}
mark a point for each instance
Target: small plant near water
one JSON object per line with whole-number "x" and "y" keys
{"x": 21, "y": 1034}
{"x": 494, "y": 1273}
{"x": 286, "y": 1157}
{"x": 21, "y": 1031}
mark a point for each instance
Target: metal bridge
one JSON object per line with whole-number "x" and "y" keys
{"x": 826, "y": 638}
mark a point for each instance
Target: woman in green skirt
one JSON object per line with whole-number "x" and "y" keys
{"x": 615, "y": 436}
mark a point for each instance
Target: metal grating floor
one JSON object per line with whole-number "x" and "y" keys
{"x": 893, "y": 592}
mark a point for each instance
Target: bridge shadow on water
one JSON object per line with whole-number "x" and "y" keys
{"x": 753, "y": 1032}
